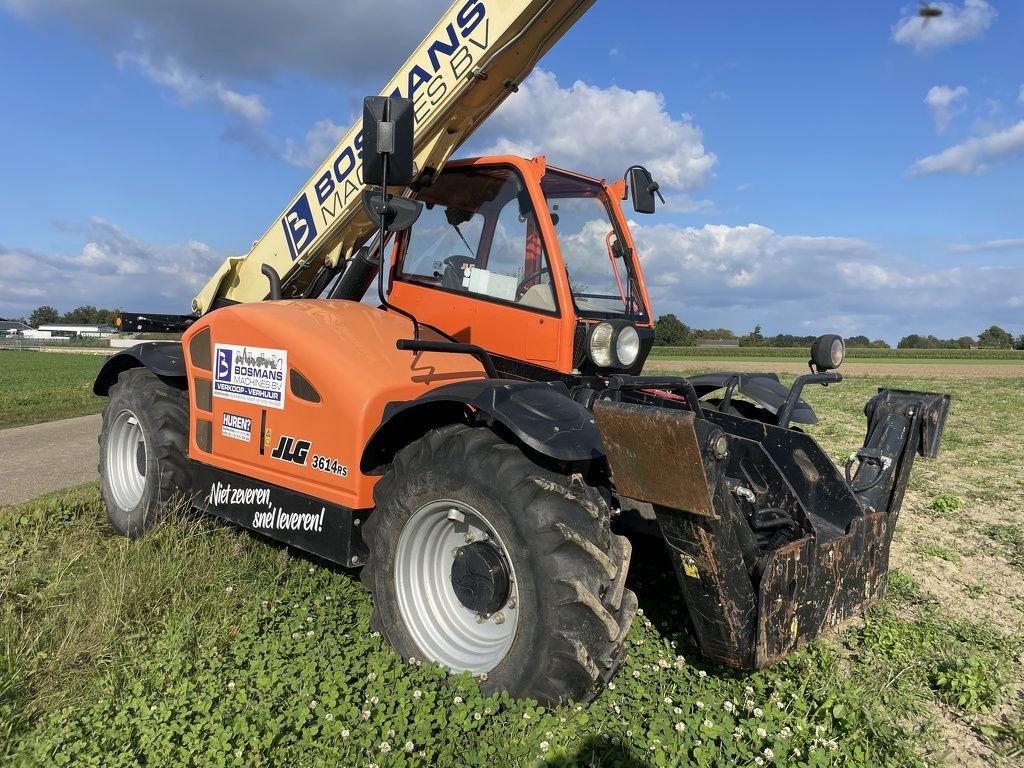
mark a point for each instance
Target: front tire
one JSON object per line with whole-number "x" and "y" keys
{"x": 143, "y": 443}
{"x": 481, "y": 560}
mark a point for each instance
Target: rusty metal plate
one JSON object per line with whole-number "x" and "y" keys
{"x": 654, "y": 455}
{"x": 807, "y": 588}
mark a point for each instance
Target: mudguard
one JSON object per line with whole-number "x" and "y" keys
{"x": 164, "y": 358}
{"x": 541, "y": 415}
{"x": 765, "y": 389}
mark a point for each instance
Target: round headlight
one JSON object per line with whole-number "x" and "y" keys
{"x": 601, "y": 345}
{"x": 627, "y": 346}
{"x": 827, "y": 352}
{"x": 838, "y": 351}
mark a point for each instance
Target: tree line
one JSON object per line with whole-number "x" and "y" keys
{"x": 84, "y": 315}
{"x": 670, "y": 331}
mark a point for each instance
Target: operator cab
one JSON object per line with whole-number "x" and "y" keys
{"x": 525, "y": 261}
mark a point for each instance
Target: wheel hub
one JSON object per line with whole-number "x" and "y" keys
{"x": 480, "y": 578}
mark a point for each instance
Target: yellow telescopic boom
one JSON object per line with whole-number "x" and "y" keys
{"x": 476, "y": 55}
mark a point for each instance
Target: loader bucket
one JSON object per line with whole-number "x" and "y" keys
{"x": 771, "y": 542}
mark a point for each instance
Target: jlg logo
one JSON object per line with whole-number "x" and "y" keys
{"x": 290, "y": 449}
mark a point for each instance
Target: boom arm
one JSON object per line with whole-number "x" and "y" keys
{"x": 475, "y": 56}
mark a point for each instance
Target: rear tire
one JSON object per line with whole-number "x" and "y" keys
{"x": 143, "y": 443}
{"x": 548, "y": 569}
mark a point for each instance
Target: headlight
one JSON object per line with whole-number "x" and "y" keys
{"x": 614, "y": 344}
{"x": 627, "y": 346}
{"x": 601, "y": 345}
{"x": 827, "y": 352}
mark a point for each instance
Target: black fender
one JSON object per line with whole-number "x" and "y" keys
{"x": 765, "y": 389}
{"x": 164, "y": 358}
{"x": 540, "y": 414}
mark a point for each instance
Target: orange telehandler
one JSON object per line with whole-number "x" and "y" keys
{"x": 482, "y": 441}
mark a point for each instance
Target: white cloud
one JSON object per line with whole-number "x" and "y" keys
{"x": 942, "y": 100}
{"x": 976, "y": 155}
{"x": 738, "y": 276}
{"x": 988, "y": 245}
{"x": 955, "y": 25}
{"x": 320, "y": 139}
{"x": 112, "y": 269}
{"x": 600, "y": 131}
{"x": 253, "y": 39}
{"x": 247, "y": 110}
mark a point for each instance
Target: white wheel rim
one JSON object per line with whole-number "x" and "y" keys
{"x": 124, "y": 445}
{"x": 446, "y": 631}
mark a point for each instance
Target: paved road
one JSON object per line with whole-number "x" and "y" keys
{"x": 47, "y": 457}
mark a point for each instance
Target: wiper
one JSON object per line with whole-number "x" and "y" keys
{"x": 459, "y": 231}
{"x": 456, "y": 217}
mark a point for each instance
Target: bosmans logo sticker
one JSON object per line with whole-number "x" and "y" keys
{"x": 299, "y": 228}
{"x": 250, "y": 375}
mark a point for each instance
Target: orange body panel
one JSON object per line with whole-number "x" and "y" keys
{"x": 346, "y": 351}
{"x": 515, "y": 332}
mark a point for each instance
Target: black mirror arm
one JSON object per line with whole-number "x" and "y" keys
{"x": 655, "y": 188}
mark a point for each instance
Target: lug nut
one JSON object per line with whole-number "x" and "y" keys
{"x": 499, "y": 618}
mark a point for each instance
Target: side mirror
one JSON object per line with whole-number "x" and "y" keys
{"x": 387, "y": 133}
{"x": 387, "y": 161}
{"x": 642, "y": 188}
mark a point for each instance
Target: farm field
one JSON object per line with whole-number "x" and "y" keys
{"x": 42, "y": 386}
{"x": 205, "y": 645}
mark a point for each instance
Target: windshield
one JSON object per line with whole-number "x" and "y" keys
{"x": 597, "y": 261}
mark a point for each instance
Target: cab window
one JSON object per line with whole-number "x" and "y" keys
{"x": 478, "y": 235}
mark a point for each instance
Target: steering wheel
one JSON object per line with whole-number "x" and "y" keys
{"x": 453, "y": 266}
{"x": 451, "y": 261}
{"x": 521, "y": 288}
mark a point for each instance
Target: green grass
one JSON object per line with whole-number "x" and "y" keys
{"x": 45, "y": 386}
{"x": 203, "y": 645}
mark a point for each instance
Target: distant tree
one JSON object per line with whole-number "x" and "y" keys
{"x": 913, "y": 341}
{"x": 1019, "y": 343}
{"x": 788, "y": 340}
{"x": 669, "y": 331}
{"x": 753, "y": 339}
{"x": 995, "y": 338}
{"x": 880, "y": 344}
{"x": 43, "y": 315}
{"x": 858, "y": 341}
{"x": 87, "y": 314}
{"x": 965, "y": 342}
{"x": 714, "y": 333}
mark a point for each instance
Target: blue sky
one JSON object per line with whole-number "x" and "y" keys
{"x": 828, "y": 166}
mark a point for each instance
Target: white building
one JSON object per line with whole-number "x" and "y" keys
{"x": 79, "y": 330}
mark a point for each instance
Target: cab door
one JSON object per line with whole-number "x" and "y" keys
{"x": 474, "y": 266}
